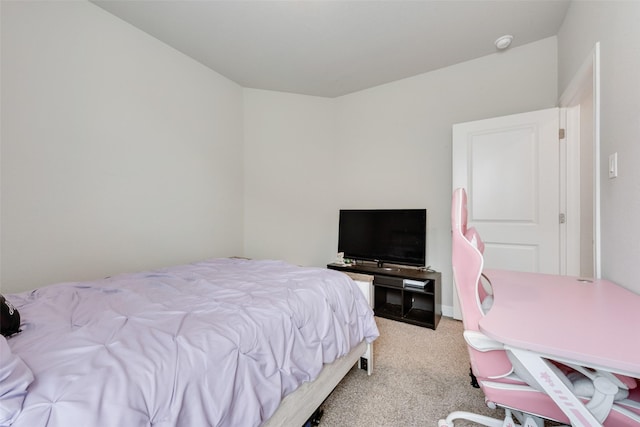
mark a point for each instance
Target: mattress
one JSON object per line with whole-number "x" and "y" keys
{"x": 213, "y": 343}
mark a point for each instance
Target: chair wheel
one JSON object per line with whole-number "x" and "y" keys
{"x": 474, "y": 380}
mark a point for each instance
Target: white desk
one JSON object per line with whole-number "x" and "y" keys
{"x": 535, "y": 315}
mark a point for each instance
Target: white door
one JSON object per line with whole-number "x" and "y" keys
{"x": 510, "y": 169}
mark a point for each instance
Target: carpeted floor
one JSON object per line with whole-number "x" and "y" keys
{"x": 420, "y": 375}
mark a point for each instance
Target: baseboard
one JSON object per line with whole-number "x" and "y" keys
{"x": 447, "y": 310}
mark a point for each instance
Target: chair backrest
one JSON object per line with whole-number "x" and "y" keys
{"x": 467, "y": 261}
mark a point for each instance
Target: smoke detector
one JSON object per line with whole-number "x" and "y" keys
{"x": 504, "y": 42}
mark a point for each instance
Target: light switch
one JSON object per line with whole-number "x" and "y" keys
{"x": 613, "y": 165}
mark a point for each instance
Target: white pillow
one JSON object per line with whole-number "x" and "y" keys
{"x": 15, "y": 377}
{"x": 474, "y": 238}
{"x": 487, "y": 303}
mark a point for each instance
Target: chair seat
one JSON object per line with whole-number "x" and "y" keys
{"x": 527, "y": 399}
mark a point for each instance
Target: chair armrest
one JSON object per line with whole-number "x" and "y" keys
{"x": 481, "y": 342}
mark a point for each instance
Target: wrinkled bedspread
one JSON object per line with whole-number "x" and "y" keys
{"x": 214, "y": 343}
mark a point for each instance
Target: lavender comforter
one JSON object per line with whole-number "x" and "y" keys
{"x": 214, "y": 343}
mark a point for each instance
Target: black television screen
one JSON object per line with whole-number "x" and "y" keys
{"x": 396, "y": 236}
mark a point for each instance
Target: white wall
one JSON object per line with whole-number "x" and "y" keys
{"x": 615, "y": 26}
{"x": 290, "y": 178}
{"x": 390, "y": 148}
{"x": 118, "y": 152}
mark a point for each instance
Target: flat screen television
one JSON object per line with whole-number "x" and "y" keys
{"x": 395, "y": 236}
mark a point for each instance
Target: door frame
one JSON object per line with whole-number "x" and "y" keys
{"x": 587, "y": 78}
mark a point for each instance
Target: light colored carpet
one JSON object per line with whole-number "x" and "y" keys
{"x": 420, "y": 375}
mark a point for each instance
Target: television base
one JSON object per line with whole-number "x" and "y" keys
{"x": 393, "y": 300}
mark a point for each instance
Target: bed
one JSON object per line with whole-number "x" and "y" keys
{"x": 215, "y": 343}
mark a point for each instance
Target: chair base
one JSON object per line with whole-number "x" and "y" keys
{"x": 474, "y": 380}
{"x": 524, "y": 419}
{"x": 470, "y": 416}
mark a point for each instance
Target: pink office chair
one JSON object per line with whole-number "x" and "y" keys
{"x": 503, "y": 380}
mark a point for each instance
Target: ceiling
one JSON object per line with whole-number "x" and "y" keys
{"x": 332, "y": 48}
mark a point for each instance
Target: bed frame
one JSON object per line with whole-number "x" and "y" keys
{"x": 296, "y": 408}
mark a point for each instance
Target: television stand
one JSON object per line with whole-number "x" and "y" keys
{"x": 403, "y": 294}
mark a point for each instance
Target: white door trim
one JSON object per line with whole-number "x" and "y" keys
{"x": 570, "y": 190}
{"x": 587, "y": 77}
